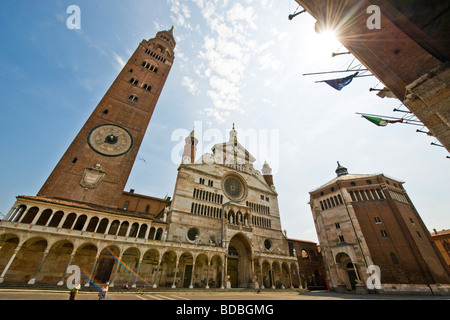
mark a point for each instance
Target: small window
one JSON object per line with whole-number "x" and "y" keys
{"x": 133, "y": 98}
{"x": 267, "y": 244}
{"x": 352, "y": 184}
{"x": 305, "y": 255}
{"x": 368, "y": 182}
{"x": 125, "y": 206}
{"x": 74, "y": 160}
{"x": 262, "y": 197}
{"x": 147, "y": 87}
{"x": 377, "y": 220}
{"x": 394, "y": 258}
{"x": 338, "y": 226}
{"x": 147, "y": 209}
{"x": 384, "y": 234}
{"x": 192, "y": 234}
{"x": 341, "y": 238}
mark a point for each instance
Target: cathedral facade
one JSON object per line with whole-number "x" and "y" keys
{"x": 221, "y": 229}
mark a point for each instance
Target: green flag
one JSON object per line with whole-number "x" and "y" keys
{"x": 381, "y": 122}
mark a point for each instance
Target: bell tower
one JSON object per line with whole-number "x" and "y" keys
{"x": 190, "y": 148}
{"x": 96, "y": 166}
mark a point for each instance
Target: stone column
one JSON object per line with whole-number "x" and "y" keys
{"x": 137, "y": 272}
{"x": 91, "y": 276}
{"x": 271, "y": 277}
{"x": 192, "y": 275}
{"x": 261, "y": 283}
{"x": 115, "y": 270}
{"x": 156, "y": 275}
{"x": 33, "y": 279}
{"x": 61, "y": 282}
{"x": 2, "y": 276}
{"x": 207, "y": 274}
{"x": 290, "y": 278}
{"x": 175, "y": 276}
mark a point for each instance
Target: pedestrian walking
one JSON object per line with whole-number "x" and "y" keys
{"x": 74, "y": 292}
{"x": 104, "y": 292}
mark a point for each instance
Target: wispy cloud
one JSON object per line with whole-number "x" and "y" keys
{"x": 225, "y": 53}
{"x": 190, "y": 85}
{"x": 120, "y": 62}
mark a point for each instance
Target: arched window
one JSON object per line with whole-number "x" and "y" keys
{"x": 56, "y": 219}
{"x": 142, "y": 231}
{"x": 102, "y": 226}
{"x": 305, "y": 255}
{"x": 30, "y": 215}
{"x": 45, "y": 216}
{"x": 114, "y": 227}
{"x": 80, "y": 222}
{"x": 123, "y": 229}
{"x": 68, "y": 223}
{"x": 92, "y": 224}
{"x": 134, "y": 229}
{"x": 147, "y": 87}
{"x": 133, "y": 98}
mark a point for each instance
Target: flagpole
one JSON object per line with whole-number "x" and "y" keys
{"x": 367, "y": 75}
{"x": 407, "y": 121}
{"x": 326, "y": 72}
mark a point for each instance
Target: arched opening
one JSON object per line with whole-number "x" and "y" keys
{"x": 30, "y": 215}
{"x": 186, "y": 270}
{"x": 27, "y": 260}
{"x": 349, "y": 274}
{"x": 85, "y": 259}
{"x": 168, "y": 268}
{"x": 8, "y": 243}
{"x": 215, "y": 277}
{"x": 55, "y": 263}
{"x": 92, "y": 224}
{"x": 106, "y": 264}
{"x": 45, "y": 216}
{"x": 79, "y": 224}
{"x": 68, "y": 223}
{"x": 239, "y": 261}
{"x": 129, "y": 267}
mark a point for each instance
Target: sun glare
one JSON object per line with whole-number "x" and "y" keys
{"x": 324, "y": 43}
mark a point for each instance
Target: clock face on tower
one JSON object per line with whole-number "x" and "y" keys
{"x": 110, "y": 140}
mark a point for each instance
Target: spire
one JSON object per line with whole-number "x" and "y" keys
{"x": 341, "y": 171}
{"x": 233, "y": 134}
{"x": 167, "y": 37}
{"x": 267, "y": 174}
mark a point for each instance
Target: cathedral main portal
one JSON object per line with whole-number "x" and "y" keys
{"x": 239, "y": 266}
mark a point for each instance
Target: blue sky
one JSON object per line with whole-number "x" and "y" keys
{"x": 236, "y": 62}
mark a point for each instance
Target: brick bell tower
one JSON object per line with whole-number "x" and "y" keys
{"x": 96, "y": 166}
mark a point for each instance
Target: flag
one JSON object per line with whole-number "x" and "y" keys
{"x": 381, "y": 122}
{"x": 338, "y": 84}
